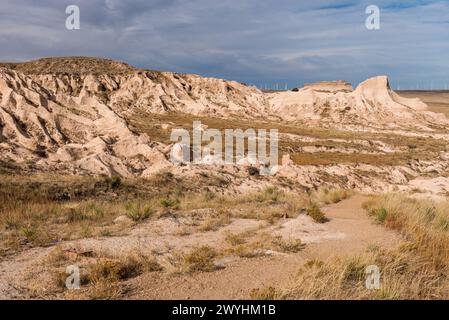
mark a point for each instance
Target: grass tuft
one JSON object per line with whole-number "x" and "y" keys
{"x": 138, "y": 211}
{"x": 314, "y": 211}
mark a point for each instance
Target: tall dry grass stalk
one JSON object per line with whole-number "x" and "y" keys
{"x": 417, "y": 269}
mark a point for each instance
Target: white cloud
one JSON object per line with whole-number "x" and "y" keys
{"x": 247, "y": 40}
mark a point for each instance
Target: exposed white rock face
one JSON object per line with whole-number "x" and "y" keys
{"x": 180, "y": 154}
{"x": 77, "y": 122}
{"x": 372, "y": 104}
{"x": 80, "y": 133}
{"x": 158, "y": 92}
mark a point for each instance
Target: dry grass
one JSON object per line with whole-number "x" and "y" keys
{"x": 199, "y": 259}
{"x": 42, "y": 224}
{"x": 412, "y": 148}
{"x": 251, "y": 244}
{"x": 267, "y": 293}
{"x": 314, "y": 211}
{"x": 417, "y": 269}
{"x": 268, "y": 195}
{"x": 235, "y": 239}
{"x": 405, "y": 274}
{"x": 270, "y": 204}
{"x": 138, "y": 211}
{"x": 100, "y": 275}
{"x": 250, "y": 250}
{"x": 42, "y": 210}
{"x": 415, "y": 218}
{"x": 212, "y": 223}
{"x": 101, "y": 290}
{"x": 326, "y": 195}
{"x": 71, "y": 65}
{"x": 288, "y": 245}
{"x": 47, "y": 221}
{"x": 57, "y": 257}
{"x": 114, "y": 270}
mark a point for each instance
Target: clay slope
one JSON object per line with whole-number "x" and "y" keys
{"x": 158, "y": 92}
{"x": 333, "y": 104}
{"x": 371, "y": 104}
{"x": 79, "y": 134}
{"x": 62, "y": 117}
{"x": 126, "y": 89}
{"x": 71, "y": 114}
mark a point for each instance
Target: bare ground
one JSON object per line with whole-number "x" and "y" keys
{"x": 241, "y": 276}
{"x": 349, "y": 231}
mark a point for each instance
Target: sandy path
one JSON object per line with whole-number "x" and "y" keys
{"x": 350, "y": 218}
{"x": 242, "y": 275}
{"x": 350, "y": 231}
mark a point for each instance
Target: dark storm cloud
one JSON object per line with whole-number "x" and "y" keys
{"x": 259, "y": 42}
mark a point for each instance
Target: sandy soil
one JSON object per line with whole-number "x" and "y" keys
{"x": 349, "y": 231}
{"x": 240, "y": 276}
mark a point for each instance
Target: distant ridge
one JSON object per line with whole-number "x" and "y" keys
{"x": 70, "y": 65}
{"x": 73, "y": 114}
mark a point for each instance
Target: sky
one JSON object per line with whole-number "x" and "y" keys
{"x": 258, "y": 42}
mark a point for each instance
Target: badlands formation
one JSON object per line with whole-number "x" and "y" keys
{"x": 87, "y": 182}
{"x": 330, "y": 86}
{"x": 97, "y": 117}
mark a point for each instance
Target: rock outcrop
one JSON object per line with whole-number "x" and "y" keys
{"x": 75, "y": 133}
{"x": 330, "y": 86}
{"x": 372, "y": 104}
{"x": 69, "y": 114}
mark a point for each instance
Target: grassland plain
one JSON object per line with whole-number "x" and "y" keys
{"x": 85, "y": 180}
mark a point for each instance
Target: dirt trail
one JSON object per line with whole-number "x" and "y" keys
{"x": 350, "y": 218}
{"x": 239, "y": 277}
{"x": 349, "y": 231}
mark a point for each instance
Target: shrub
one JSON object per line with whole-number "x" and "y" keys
{"x": 222, "y": 218}
{"x": 269, "y": 194}
{"x": 75, "y": 215}
{"x": 29, "y": 232}
{"x": 247, "y": 250}
{"x": 106, "y": 233}
{"x": 85, "y": 211}
{"x": 253, "y": 171}
{"x": 208, "y": 196}
{"x": 381, "y": 215}
{"x": 200, "y": 259}
{"x": 115, "y": 182}
{"x": 268, "y": 293}
{"x": 170, "y": 203}
{"x": 114, "y": 270}
{"x": 137, "y": 211}
{"x": 164, "y": 177}
{"x": 235, "y": 239}
{"x": 329, "y": 196}
{"x": 290, "y": 245}
{"x": 315, "y": 212}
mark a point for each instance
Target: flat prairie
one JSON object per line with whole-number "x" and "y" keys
{"x": 438, "y": 100}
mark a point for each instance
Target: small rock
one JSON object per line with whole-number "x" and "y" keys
{"x": 274, "y": 253}
{"x": 122, "y": 220}
{"x": 222, "y": 263}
